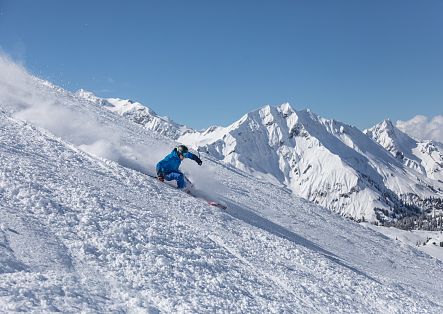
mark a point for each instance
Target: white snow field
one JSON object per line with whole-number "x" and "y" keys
{"x": 82, "y": 229}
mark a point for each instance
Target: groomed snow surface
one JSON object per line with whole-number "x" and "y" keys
{"x": 83, "y": 229}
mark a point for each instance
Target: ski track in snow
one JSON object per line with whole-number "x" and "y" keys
{"x": 83, "y": 233}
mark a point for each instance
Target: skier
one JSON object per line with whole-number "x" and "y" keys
{"x": 167, "y": 169}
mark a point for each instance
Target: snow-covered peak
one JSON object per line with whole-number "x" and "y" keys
{"x": 425, "y": 157}
{"x": 87, "y": 95}
{"x": 90, "y": 96}
{"x": 122, "y": 106}
{"x": 384, "y": 130}
{"x": 391, "y": 137}
{"x": 138, "y": 113}
{"x": 387, "y": 124}
{"x": 118, "y": 105}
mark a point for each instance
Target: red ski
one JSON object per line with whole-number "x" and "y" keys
{"x": 212, "y": 203}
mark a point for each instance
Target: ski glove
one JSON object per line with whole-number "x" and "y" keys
{"x": 198, "y": 161}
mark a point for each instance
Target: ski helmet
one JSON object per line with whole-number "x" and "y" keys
{"x": 182, "y": 149}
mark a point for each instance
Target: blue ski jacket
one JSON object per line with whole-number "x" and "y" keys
{"x": 172, "y": 162}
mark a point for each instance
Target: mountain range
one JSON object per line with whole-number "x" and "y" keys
{"x": 379, "y": 175}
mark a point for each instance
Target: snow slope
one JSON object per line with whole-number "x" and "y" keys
{"x": 83, "y": 229}
{"x": 425, "y": 241}
{"x": 324, "y": 161}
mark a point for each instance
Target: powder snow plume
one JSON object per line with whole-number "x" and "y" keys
{"x": 38, "y": 102}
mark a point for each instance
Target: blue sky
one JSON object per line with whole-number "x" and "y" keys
{"x": 209, "y": 62}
